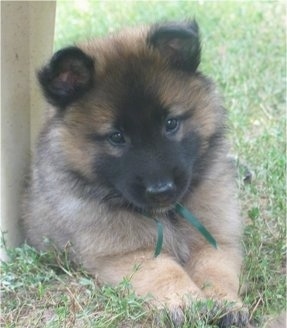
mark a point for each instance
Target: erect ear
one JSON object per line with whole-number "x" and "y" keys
{"x": 68, "y": 75}
{"x": 179, "y": 43}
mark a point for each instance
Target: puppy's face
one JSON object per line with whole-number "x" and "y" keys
{"x": 137, "y": 122}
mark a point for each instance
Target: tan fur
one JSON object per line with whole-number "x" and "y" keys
{"x": 114, "y": 244}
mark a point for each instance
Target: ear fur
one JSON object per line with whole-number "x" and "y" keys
{"x": 179, "y": 43}
{"x": 68, "y": 75}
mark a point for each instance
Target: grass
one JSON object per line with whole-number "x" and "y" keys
{"x": 244, "y": 50}
{"x": 44, "y": 290}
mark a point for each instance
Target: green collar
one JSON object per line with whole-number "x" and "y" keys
{"x": 190, "y": 218}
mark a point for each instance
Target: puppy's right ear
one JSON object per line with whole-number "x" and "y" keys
{"x": 68, "y": 75}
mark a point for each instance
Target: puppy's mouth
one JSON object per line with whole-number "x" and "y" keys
{"x": 162, "y": 206}
{"x": 156, "y": 205}
{"x": 159, "y": 200}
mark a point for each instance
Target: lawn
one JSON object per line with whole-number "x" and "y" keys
{"x": 244, "y": 51}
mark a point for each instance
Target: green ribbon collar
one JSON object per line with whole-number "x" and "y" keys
{"x": 190, "y": 218}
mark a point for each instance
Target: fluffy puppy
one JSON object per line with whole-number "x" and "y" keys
{"x": 133, "y": 128}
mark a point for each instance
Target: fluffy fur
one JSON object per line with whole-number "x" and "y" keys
{"x": 133, "y": 127}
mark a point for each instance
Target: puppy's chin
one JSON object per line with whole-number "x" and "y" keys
{"x": 153, "y": 209}
{"x": 159, "y": 211}
{"x": 117, "y": 200}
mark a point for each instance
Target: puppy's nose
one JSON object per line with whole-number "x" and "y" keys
{"x": 161, "y": 192}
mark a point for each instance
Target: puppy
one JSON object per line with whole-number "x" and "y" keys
{"x": 132, "y": 129}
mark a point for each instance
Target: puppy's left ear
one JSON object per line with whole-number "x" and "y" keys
{"x": 179, "y": 43}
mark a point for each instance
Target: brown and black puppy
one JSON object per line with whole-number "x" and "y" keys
{"x": 133, "y": 128}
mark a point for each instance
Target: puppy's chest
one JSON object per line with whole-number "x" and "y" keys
{"x": 176, "y": 238}
{"x": 174, "y": 233}
{"x": 121, "y": 232}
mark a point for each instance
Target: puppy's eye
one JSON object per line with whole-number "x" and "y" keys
{"x": 117, "y": 138}
{"x": 172, "y": 125}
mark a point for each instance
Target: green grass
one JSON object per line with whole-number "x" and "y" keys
{"x": 44, "y": 290}
{"x": 244, "y": 51}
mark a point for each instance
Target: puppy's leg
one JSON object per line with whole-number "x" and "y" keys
{"x": 216, "y": 272}
{"x": 162, "y": 278}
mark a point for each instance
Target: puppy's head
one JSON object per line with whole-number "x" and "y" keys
{"x": 137, "y": 121}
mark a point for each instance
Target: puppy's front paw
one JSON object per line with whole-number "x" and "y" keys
{"x": 177, "y": 317}
{"x": 173, "y": 311}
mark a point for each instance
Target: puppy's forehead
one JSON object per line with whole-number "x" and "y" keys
{"x": 132, "y": 78}
{"x": 113, "y": 50}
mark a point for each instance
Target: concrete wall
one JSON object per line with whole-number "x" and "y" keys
{"x": 27, "y": 32}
